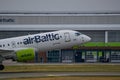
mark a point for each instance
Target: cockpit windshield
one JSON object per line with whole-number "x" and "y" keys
{"x": 77, "y": 34}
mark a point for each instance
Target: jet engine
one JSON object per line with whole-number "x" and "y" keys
{"x": 25, "y": 55}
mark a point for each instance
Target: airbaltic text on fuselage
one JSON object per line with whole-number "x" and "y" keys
{"x": 41, "y": 38}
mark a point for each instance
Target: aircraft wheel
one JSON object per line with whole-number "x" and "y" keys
{"x": 2, "y": 67}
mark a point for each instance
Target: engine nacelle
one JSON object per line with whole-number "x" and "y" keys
{"x": 25, "y": 55}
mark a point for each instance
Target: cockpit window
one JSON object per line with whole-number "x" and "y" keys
{"x": 77, "y": 34}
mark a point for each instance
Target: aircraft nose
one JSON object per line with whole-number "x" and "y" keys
{"x": 87, "y": 38}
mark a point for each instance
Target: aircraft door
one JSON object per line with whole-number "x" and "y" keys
{"x": 67, "y": 37}
{"x": 13, "y": 44}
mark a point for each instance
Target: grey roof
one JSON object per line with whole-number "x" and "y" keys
{"x": 59, "y": 6}
{"x": 59, "y": 27}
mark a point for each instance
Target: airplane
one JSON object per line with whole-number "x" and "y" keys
{"x": 23, "y": 48}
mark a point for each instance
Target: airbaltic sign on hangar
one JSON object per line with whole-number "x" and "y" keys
{"x": 6, "y": 20}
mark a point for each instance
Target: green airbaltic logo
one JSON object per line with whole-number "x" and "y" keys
{"x": 26, "y": 55}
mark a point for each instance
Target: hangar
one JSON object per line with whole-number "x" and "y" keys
{"x": 101, "y": 24}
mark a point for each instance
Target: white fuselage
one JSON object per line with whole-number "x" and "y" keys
{"x": 45, "y": 41}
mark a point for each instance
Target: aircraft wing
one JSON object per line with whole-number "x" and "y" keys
{"x": 5, "y": 50}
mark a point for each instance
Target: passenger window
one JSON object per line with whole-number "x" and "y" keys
{"x": 8, "y": 44}
{"x": 3, "y": 45}
{"x": 18, "y": 43}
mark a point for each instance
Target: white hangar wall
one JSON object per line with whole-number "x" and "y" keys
{"x": 94, "y": 25}
{"x": 52, "y": 18}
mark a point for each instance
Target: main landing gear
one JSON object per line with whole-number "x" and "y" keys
{"x": 1, "y": 67}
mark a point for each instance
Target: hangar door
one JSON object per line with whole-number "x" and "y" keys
{"x": 91, "y": 56}
{"x": 115, "y": 56}
{"x": 67, "y": 56}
